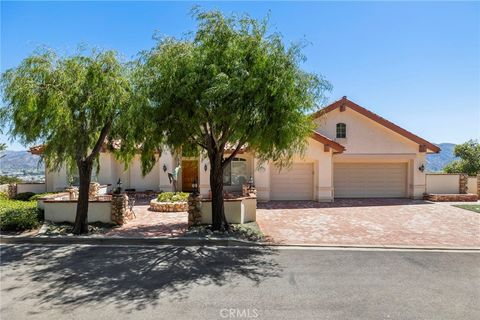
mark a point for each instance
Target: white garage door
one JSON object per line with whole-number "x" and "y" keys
{"x": 294, "y": 183}
{"x": 370, "y": 180}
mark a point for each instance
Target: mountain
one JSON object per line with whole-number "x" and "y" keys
{"x": 17, "y": 161}
{"x": 436, "y": 161}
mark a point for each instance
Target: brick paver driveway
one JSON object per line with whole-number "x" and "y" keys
{"x": 369, "y": 222}
{"x": 152, "y": 224}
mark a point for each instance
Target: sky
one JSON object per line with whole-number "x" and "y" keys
{"x": 416, "y": 64}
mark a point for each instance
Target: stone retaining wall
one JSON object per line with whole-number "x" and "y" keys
{"x": 168, "y": 206}
{"x": 469, "y": 197}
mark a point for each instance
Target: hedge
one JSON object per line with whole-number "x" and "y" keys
{"x": 18, "y": 215}
{"x": 173, "y": 197}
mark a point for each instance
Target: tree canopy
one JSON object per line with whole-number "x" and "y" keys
{"x": 233, "y": 84}
{"x": 68, "y": 103}
{"x": 469, "y": 162}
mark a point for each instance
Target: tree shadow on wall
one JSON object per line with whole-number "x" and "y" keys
{"x": 131, "y": 278}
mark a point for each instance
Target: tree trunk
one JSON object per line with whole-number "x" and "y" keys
{"x": 219, "y": 222}
{"x": 85, "y": 173}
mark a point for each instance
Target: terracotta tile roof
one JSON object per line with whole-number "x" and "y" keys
{"x": 328, "y": 142}
{"x": 344, "y": 103}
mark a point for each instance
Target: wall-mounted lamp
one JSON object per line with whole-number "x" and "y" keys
{"x": 421, "y": 168}
{"x": 164, "y": 167}
{"x": 205, "y": 168}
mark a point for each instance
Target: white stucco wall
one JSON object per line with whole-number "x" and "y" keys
{"x": 472, "y": 185}
{"x": 65, "y": 211}
{"x": 237, "y": 211}
{"x": 443, "y": 183}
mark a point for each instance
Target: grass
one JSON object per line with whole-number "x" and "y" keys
{"x": 249, "y": 231}
{"x": 471, "y": 207}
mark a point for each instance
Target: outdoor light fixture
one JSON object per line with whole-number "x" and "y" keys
{"x": 195, "y": 187}
{"x": 164, "y": 167}
{"x": 250, "y": 183}
{"x": 205, "y": 168}
{"x": 421, "y": 168}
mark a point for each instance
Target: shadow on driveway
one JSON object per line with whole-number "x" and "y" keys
{"x": 131, "y": 278}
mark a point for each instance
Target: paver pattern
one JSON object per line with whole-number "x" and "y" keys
{"x": 369, "y": 222}
{"x": 152, "y": 224}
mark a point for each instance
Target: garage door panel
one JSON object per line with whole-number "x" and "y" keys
{"x": 293, "y": 183}
{"x": 363, "y": 180}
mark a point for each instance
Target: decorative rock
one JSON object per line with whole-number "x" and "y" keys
{"x": 72, "y": 192}
{"x": 463, "y": 183}
{"x": 194, "y": 212}
{"x": 168, "y": 206}
{"x": 93, "y": 190}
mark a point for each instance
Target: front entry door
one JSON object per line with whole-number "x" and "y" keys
{"x": 189, "y": 174}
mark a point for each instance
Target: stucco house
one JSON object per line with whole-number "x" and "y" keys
{"x": 352, "y": 153}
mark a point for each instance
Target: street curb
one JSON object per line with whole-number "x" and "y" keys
{"x": 195, "y": 241}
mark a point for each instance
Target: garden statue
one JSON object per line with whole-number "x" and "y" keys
{"x": 174, "y": 176}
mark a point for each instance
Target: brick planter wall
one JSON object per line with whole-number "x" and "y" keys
{"x": 469, "y": 197}
{"x": 12, "y": 190}
{"x": 119, "y": 209}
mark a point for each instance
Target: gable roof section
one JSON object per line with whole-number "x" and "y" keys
{"x": 424, "y": 145}
{"x": 328, "y": 142}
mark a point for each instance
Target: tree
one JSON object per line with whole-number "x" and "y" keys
{"x": 231, "y": 85}
{"x": 3, "y": 147}
{"x": 469, "y": 162}
{"x": 70, "y": 104}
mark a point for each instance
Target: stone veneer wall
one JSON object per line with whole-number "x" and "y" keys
{"x": 470, "y": 197}
{"x": 463, "y": 189}
{"x": 12, "y": 190}
{"x": 120, "y": 211}
{"x": 168, "y": 206}
{"x": 194, "y": 212}
{"x": 478, "y": 185}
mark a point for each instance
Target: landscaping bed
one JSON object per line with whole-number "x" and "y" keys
{"x": 170, "y": 202}
{"x": 247, "y": 231}
{"x": 65, "y": 228}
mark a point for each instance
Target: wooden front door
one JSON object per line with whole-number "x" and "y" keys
{"x": 189, "y": 174}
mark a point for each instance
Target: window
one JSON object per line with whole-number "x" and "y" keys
{"x": 341, "y": 130}
{"x": 235, "y": 174}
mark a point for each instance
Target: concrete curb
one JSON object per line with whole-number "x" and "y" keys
{"x": 196, "y": 241}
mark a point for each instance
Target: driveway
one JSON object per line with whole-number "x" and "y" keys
{"x": 369, "y": 222}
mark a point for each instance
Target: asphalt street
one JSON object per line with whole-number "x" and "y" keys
{"x": 152, "y": 282}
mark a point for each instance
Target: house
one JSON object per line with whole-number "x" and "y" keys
{"x": 352, "y": 153}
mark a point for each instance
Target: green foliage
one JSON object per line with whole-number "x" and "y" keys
{"x": 19, "y": 215}
{"x": 471, "y": 207}
{"x": 7, "y": 179}
{"x": 38, "y": 196}
{"x": 231, "y": 84}
{"x": 64, "y": 102}
{"x": 173, "y": 197}
{"x": 3, "y": 146}
{"x": 24, "y": 196}
{"x": 469, "y": 162}
{"x": 3, "y": 196}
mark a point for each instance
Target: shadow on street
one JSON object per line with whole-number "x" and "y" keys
{"x": 130, "y": 277}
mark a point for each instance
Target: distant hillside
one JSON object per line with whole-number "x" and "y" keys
{"x": 436, "y": 162}
{"x": 20, "y": 161}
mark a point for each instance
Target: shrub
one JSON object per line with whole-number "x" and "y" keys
{"x": 173, "y": 197}
{"x": 7, "y": 179}
{"x": 37, "y": 196}
{"x": 24, "y": 196}
{"x": 3, "y": 196}
{"x": 19, "y": 215}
